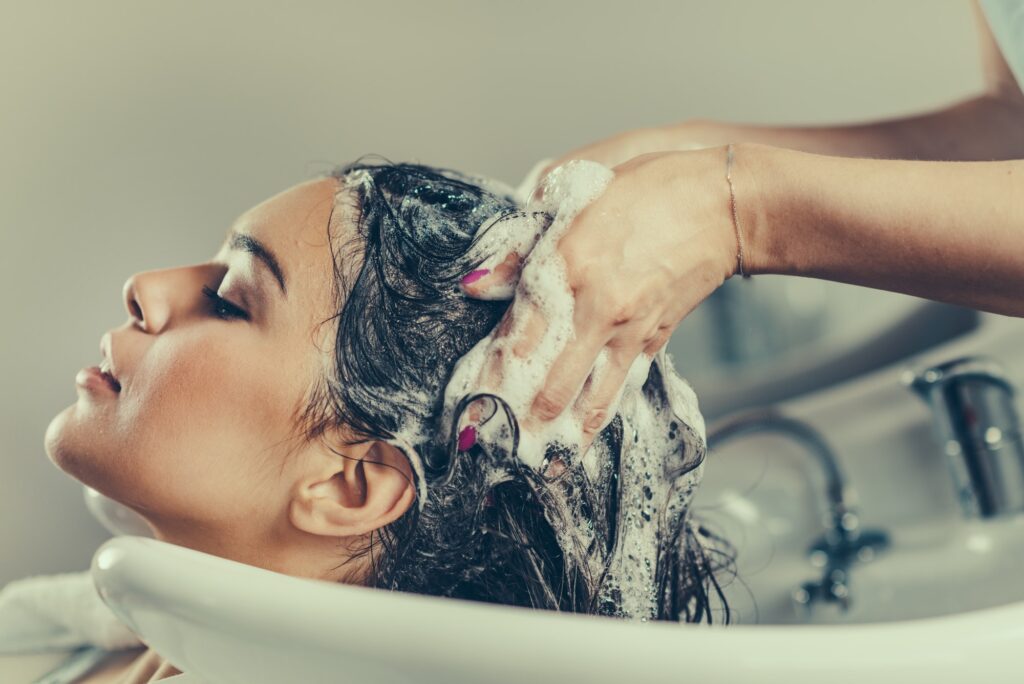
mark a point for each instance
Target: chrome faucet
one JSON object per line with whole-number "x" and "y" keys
{"x": 976, "y": 422}
{"x": 843, "y": 542}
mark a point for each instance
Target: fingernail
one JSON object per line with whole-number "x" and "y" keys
{"x": 475, "y": 276}
{"x": 467, "y": 438}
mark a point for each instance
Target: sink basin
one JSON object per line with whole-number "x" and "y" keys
{"x": 760, "y": 492}
{"x": 943, "y": 603}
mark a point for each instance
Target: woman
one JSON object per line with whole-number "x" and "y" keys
{"x": 279, "y": 406}
{"x": 785, "y": 200}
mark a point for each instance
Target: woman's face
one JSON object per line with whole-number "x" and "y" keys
{"x": 202, "y": 437}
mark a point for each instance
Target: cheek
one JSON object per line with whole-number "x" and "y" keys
{"x": 206, "y": 419}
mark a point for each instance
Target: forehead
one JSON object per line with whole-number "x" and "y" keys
{"x": 293, "y": 219}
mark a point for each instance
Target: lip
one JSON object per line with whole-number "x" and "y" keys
{"x": 95, "y": 380}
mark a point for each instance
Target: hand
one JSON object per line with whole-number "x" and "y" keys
{"x": 621, "y": 147}
{"x": 639, "y": 258}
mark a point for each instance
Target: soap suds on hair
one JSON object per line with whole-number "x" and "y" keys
{"x": 521, "y": 517}
{"x": 619, "y": 510}
{"x": 544, "y": 284}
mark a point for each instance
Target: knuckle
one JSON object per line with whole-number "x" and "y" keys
{"x": 618, "y": 343}
{"x": 548, "y": 404}
{"x": 522, "y": 348}
{"x": 620, "y": 309}
{"x": 555, "y": 469}
{"x": 660, "y": 332}
{"x": 576, "y": 271}
{"x": 505, "y": 324}
{"x": 510, "y": 266}
{"x": 583, "y": 264}
{"x": 495, "y": 367}
{"x": 656, "y": 343}
{"x": 627, "y": 341}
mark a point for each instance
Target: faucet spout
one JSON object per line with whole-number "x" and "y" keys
{"x": 975, "y": 420}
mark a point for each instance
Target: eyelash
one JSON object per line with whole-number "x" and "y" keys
{"x": 222, "y": 308}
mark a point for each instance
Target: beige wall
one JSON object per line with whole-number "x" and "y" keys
{"x": 132, "y": 134}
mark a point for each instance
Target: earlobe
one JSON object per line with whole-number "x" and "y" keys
{"x": 371, "y": 486}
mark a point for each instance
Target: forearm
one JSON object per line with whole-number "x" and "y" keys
{"x": 950, "y": 231}
{"x": 981, "y": 128}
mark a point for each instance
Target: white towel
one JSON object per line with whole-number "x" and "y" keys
{"x": 58, "y": 612}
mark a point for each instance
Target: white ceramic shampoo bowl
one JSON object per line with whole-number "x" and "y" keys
{"x": 225, "y": 623}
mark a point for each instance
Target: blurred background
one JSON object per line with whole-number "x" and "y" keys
{"x": 133, "y": 133}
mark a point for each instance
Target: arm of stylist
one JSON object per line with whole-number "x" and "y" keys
{"x": 980, "y": 128}
{"x": 663, "y": 236}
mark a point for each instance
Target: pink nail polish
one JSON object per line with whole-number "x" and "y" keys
{"x": 467, "y": 438}
{"x": 475, "y": 275}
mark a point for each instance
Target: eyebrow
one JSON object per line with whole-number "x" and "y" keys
{"x": 248, "y": 243}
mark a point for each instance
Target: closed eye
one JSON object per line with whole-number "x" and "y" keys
{"x": 222, "y": 308}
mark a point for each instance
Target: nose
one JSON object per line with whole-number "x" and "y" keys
{"x": 144, "y": 302}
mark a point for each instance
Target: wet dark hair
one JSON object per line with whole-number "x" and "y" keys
{"x": 403, "y": 323}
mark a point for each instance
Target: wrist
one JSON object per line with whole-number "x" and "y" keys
{"x": 759, "y": 178}
{"x": 698, "y": 191}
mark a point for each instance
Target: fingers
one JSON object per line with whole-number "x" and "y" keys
{"x": 606, "y": 384}
{"x": 497, "y": 282}
{"x": 566, "y": 377}
{"x": 508, "y": 240}
{"x": 658, "y": 341}
{"x": 624, "y": 360}
{"x": 532, "y": 331}
{"x": 473, "y": 418}
{"x": 481, "y": 410}
{"x": 516, "y": 337}
{"x": 521, "y": 329}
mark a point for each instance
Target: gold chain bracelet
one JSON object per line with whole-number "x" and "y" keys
{"x": 735, "y": 215}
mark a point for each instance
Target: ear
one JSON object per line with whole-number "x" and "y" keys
{"x": 364, "y": 489}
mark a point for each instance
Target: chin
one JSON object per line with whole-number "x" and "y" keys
{"x": 69, "y": 449}
{"x": 55, "y": 441}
